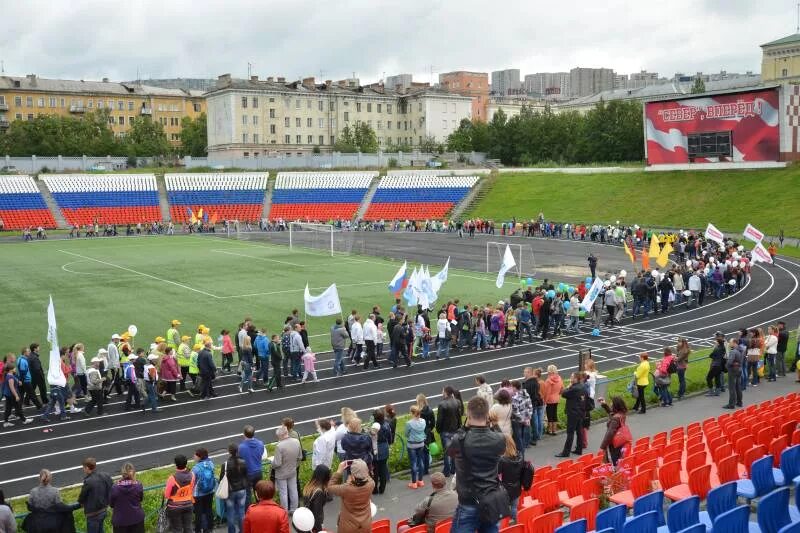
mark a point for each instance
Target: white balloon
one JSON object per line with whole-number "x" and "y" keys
{"x": 735, "y": 255}
{"x": 133, "y": 330}
{"x": 735, "y": 264}
{"x": 612, "y": 278}
{"x": 740, "y": 248}
{"x": 654, "y": 273}
{"x": 727, "y": 262}
{"x": 732, "y": 282}
{"x": 623, "y": 273}
{"x": 617, "y": 221}
{"x": 373, "y": 509}
{"x": 606, "y": 284}
{"x": 688, "y": 263}
{"x": 687, "y": 293}
{"x": 303, "y": 519}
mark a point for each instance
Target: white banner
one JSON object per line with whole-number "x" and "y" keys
{"x": 752, "y": 234}
{"x": 761, "y": 254}
{"x": 54, "y": 374}
{"x": 591, "y": 296}
{"x": 441, "y": 277}
{"x": 508, "y": 263}
{"x": 713, "y": 234}
{"x": 325, "y": 304}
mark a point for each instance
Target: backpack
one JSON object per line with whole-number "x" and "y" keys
{"x": 526, "y": 477}
{"x": 205, "y": 479}
{"x": 673, "y": 367}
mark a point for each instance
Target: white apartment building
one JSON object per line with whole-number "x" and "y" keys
{"x": 252, "y": 118}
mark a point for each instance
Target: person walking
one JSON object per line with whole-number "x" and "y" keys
{"x": 357, "y": 339}
{"x": 642, "y": 378}
{"x": 309, "y": 360}
{"x": 37, "y": 372}
{"x": 94, "y": 496}
{"x": 276, "y": 358}
{"x": 25, "y": 376}
{"x": 617, "y": 414}
{"x": 178, "y": 497}
{"x": 114, "y": 366}
{"x": 95, "y": 387}
{"x": 288, "y": 455}
{"x": 170, "y": 373}
{"x": 592, "y": 260}
{"x": 339, "y": 338}
{"x": 126, "y": 501}
{"x": 262, "y": 352}
{"x": 235, "y": 470}
{"x": 442, "y": 337}
{"x": 12, "y": 393}
{"x": 735, "y": 363}
{"x": 399, "y": 337}
{"x": 150, "y": 381}
{"x": 208, "y": 371}
{"x": 575, "y": 397}
{"x": 370, "y": 338}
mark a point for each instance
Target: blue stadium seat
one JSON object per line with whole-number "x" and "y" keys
{"x": 644, "y": 523}
{"x": 773, "y": 511}
{"x": 613, "y": 517}
{"x": 576, "y": 526}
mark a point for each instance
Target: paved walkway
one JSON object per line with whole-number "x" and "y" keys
{"x": 398, "y": 502}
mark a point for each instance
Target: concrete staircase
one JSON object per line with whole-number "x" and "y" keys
{"x": 163, "y": 199}
{"x": 362, "y": 209}
{"x": 268, "y": 197}
{"x": 61, "y": 222}
{"x": 478, "y": 192}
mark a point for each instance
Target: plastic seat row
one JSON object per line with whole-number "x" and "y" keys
{"x": 57, "y": 183}
{"x": 17, "y": 184}
{"x": 437, "y": 172}
{"x": 22, "y": 204}
{"x": 402, "y": 181}
{"x": 410, "y": 211}
{"x": 307, "y": 196}
{"x": 344, "y": 182}
{"x": 322, "y": 211}
{"x": 215, "y": 213}
{"x": 217, "y": 181}
{"x": 220, "y": 197}
{"x": 347, "y": 174}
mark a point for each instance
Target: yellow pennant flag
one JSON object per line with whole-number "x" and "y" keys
{"x": 629, "y": 252}
{"x": 655, "y": 250}
{"x": 663, "y": 257}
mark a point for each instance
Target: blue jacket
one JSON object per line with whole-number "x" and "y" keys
{"x": 262, "y": 346}
{"x": 23, "y": 370}
{"x": 251, "y": 451}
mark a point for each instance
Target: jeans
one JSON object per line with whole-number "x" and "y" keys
{"x": 416, "y": 459}
{"x": 151, "y": 396}
{"x": 480, "y": 340}
{"x": 287, "y": 488}
{"x": 537, "y": 423}
{"x": 338, "y": 363}
{"x": 96, "y": 523}
{"x": 263, "y": 371}
{"x": 573, "y": 323}
{"x": 752, "y": 369}
{"x": 296, "y": 364}
{"x": 382, "y": 474}
{"x": 665, "y": 394}
{"x": 443, "y": 347}
{"x": 203, "y": 515}
{"x": 521, "y": 434}
{"x": 526, "y": 328}
{"x": 734, "y": 387}
{"x": 56, "y": 397}
{"x": 180, "y": 520}
{"x": 780, "y": 363}
{"x": 770, "y": 357}
{"x": 234, "y": 510}
{"x": 247, "y": 376}
{"x": 449, "y": 464}
{"x": 466, "y": 519}
{"x": 252, "y": 479}
{"x": 681, "y": 382}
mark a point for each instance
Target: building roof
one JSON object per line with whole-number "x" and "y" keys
{"x": 794, "y": 38}
{"x": 34, "y": 83}
{"x": 720, "y": 91}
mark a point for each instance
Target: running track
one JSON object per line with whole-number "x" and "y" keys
{"x": 150, "y": 440}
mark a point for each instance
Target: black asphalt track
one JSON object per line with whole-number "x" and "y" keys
{"x": 149, "y": 440}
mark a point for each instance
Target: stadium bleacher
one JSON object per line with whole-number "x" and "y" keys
{"x": 105, "y": 198}
{"x": 22, "y": 204}
{"x": 418, "y": 197}
{"x": 319, "y": 195}
{"x": 220, "y": 196}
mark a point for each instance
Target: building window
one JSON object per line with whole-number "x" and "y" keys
{"x": 30, "y": 116}
{"x": 333, "y": 140}
{"x": 286, "y": 122}
{"x": 380, "y": 140}
{"x": 246, "y": 155}
{"x": 379, "y": 108}
{"x": 244, "y": 137}
{"x": 255, "y": 102}
{"x": 196, "y": 107}
{"x": 369, "y": 123}
{"x": 90, "y": 104}
{"x": 18, "y": 116}
{"x": 347, "y": 116}
{"x": 321, "y": 140}
{"x": 130, "y": 121}
{"x": 255, "y": 138}
{"x": 111, "y": 119}
{"x": 3, "y": 99}
{"x": 332, "y": 106}
{"x": 308, "y": 104}
{"x": 333, "y": 123}
{"x": 321, "y": 123}
{"x": 444, "y": 124}
{"x": 310, "y": 122}
{"x": 121, "y": 120}
{"x": 358, "y": 106}
{"x": 298, "y": 122}
{"x": 52, "y": 102}
{"x": 388, "y": 124}
{"x": 244, "y": 120}
{"x": 244, "y": 101}
{"x": 271, "y": 100}
{"x": 29, "y": 101}
{"x": 255, "y": 120}
{"x": 18, "y": 101}
{"x": 120, "y": 105}
{"x": 380, "y": 124}
{"x": 321, "y": 105}
{"x": 310, "y": 139}
{"x": 389, "y": 108}
{"x": 130, "y": 105}
{"x": 784, "y": 72}
{"x": 287, "y": 139}
{"x": 272, "y": 129}
{"x": 419, "y": 106}
{"x": 272, "y": 113}
{"x": 41, "y": 102}
{"x": 299, "y": 139}
{"x": 99, "y": 104}
{"x": 63, "y": 103}
{"x": 297, "y": 104}
{"x": 369, "y": 107}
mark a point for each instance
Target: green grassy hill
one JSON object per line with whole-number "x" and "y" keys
{"x": 768, "y": 199}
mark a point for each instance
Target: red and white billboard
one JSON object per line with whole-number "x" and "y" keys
{"x": 749, "y": 119}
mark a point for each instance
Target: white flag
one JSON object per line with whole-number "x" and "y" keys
{"x": 54, "y": 374}
{"x": 591, "y": 295}
{"x": 441, "y": 277}
{"x": 760, "y": 254}
{"x": 325, "y": 304}
{"x": 410, "y": 293}
{"x": 508, "y": 263}
{"x": 713, "y": 234}
{"x": 753, "y": 234}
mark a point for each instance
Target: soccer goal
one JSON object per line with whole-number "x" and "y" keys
{"x": 523, "y": 256}
{"x": 323, "y": 237}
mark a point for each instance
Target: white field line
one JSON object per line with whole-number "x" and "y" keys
{"x": 259, "y": 258}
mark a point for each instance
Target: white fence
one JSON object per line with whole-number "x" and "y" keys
{"x": 34, "y": 164}
{"x": 332, "y": 160}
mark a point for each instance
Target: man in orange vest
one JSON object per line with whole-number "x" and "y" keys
{"x": 179, "y": 496}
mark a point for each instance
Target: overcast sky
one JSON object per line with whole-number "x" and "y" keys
{"x": 331, "y": 39}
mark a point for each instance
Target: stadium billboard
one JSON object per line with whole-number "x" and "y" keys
{"x": 739, "y": 126}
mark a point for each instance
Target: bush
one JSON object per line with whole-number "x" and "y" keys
{"x": 392, "y": 162}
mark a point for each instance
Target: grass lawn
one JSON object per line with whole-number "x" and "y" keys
{"x": 101, "y": 286}
{"x": 728, "y": 199}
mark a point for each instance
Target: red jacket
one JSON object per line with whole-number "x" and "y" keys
{"x": 266, "y": 517}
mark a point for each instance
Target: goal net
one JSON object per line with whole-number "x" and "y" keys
{"x": 323, "y": 237}
{"x": 523, "y": 256}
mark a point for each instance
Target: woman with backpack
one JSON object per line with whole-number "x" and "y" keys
{"x": 205, "y": 484}
{"x": 617, "y": 433}
{"x": 663, "y": 377}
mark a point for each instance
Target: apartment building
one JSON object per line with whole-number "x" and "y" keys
{"x": 472, "y": 84}
{"x": 506, "y": 82}
{"x": 780, "y": 59}
{"x": 549, "y": 85}
{"x": 589, "y": 81}
{"x": 253, "y": 118}
{"x": 23, "y": 98}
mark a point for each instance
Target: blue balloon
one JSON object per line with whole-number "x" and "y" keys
{"x": 551, "y": 293}
{"x": 570, "y": 289}
{"x": 567, "y": 305}
{"x": 595, "y": 332}
{"x": 589, "y": 281}
{"x": 529, "y": 281}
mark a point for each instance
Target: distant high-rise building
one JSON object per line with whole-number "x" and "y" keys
{"x": 549, "y": 85}
{"x": 401, "y": 80}
{"x": 472, "y": 84}
{"x": 506, "y": 82}
{"x": 588, "y": 81}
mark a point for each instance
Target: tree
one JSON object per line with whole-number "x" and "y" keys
{"x": 345, "y": 143}
{"x": 461, "y": 139}
{"x": 360, "y": 138}
{"x": 194, "y": 136}
{"x": 429, "y": 145}
{"x": 699, "y": 86}
{"x": 52, "y": 135}
{"x": 148, "y": 138}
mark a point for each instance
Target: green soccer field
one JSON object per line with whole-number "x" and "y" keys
{"x": 101, "y": 286}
